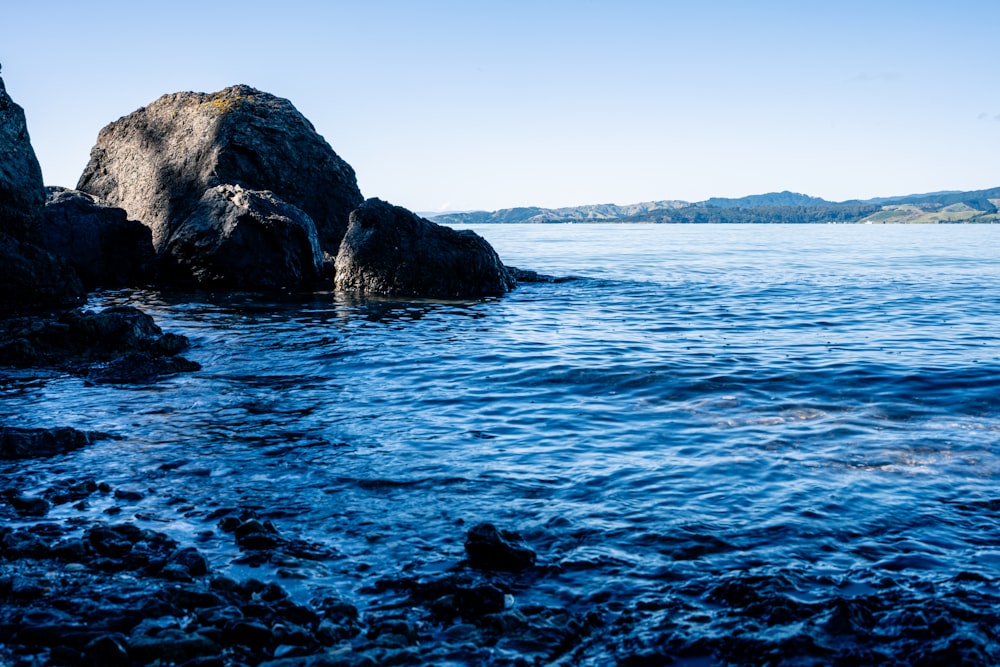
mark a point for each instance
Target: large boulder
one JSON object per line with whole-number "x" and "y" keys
{"x": 21, "y": 190}
{"x": 157, "y": 162}
{"x": 103, "y": 246}
{"x": 243, "y": 239}
{"x": 390, "y": 251}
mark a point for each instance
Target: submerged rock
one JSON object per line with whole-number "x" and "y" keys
{"x": 31, "y": 443}
{"x": 158, "y": 161}
{"x": 489, "y": 548}
{"x": 103, "y": 246}
{"x": 390, "y": 251}
{"x": 244, "y": 239}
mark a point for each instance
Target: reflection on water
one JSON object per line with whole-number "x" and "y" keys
{"x": 718, "y": 434}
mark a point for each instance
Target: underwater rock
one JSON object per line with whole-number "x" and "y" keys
{"x": 33, "y": 443}
{"x": 489, "y": 548}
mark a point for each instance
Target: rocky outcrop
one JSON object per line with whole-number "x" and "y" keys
{"x": 21, "y": 191}
{"x": 243, "y": 239}
{"x": 390, "y": 251}
{"x": 157, "y": 162}
{"x": 103, "y": 246}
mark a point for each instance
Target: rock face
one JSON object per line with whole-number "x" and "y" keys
{"x": 157, "y": 162}
{"x": 103, "y": 246}
{"x": 391, "y": 251}
{"x": 21, "y": 191}
{"x": 243, "y": 239}
{"x": 30, "y": 278}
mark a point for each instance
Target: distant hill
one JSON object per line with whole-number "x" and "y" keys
{"x": 978, "y": 206}
{"x": 532, "y": 214}
{"x": 785, "y": 198}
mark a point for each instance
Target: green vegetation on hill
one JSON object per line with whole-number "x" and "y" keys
{"x": 980, "y": 206}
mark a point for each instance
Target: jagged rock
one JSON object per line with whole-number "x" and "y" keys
{"x": 103, "y": 246}
{"x": 21, "y": 190}
{"x": 244, "y": 239}
{"x": 390, "y": 251}
{"x": 158, "y": 161}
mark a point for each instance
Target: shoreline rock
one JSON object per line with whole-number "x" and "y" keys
{"x": 121, "y": 344}
{"x": 389, "y": 250}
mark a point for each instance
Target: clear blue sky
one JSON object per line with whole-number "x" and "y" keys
{"x": 467, "y": 104}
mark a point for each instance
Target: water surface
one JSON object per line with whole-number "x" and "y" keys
{"x": 731, "y": 442}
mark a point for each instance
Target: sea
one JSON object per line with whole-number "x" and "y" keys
{"x": 727, "y": 444}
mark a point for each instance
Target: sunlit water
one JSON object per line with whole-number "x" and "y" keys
{"x": 771, "y": 435}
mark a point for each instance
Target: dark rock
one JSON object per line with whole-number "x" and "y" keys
{"x": 103, "y": 246}
{"x": 74, "y": 550}
{"x": 170, "y": 645}
{"x": 254, "y": 534}
{"x": 107, "y": 651}
{"x": 253, "y": 634}
{"x": 191, "y": 560}
{"x": 107, "y": 541}
{"x": 18, "y": 544}
{"x": 390, "y": 251}
{"x": 124, "y": 494}
{"x": 35, "y": 280}
{"x": 477, "y": 601}
{"x": 27, "y": 506}
{"x": 243, "y": 239}
{"x": 529, "y": 276}
{"x": 158, "y": 161}
{"x": 68, "y": 490}
{"x": 21, "y": 190}
{"x": 120, "y": 344}
{"x": 491, "y": 549}
{"x": 29, "y": 443}
{"x": 32, "y": 278}
{"x": 140, "y": 367}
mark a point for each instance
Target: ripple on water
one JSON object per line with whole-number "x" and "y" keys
{"x": 737, "y": 445}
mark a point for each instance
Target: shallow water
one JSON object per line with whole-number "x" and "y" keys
{"x": 735, "y": 443}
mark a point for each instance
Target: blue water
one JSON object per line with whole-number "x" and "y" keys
{"x": 742, "y": 444}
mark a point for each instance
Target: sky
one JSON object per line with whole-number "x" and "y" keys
{"x": 459, "y": 105}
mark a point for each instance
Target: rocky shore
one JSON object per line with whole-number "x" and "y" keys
{"x": 112, "y": 593}
{"x": 229, "y": 190}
